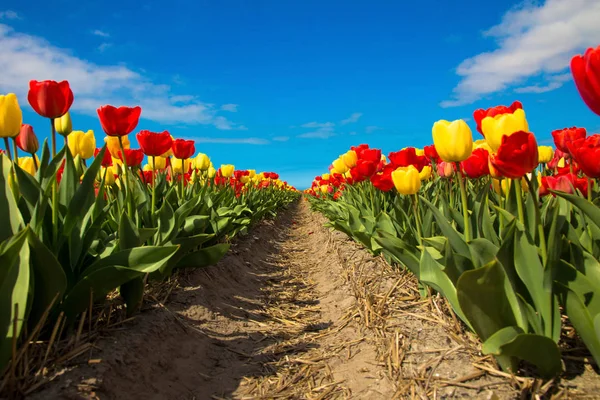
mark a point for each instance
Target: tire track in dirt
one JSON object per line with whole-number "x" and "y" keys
{"x": 270, "y": 320}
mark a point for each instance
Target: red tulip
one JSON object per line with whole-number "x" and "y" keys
{"x": 359, "y": 149}
{"x": 517, "y": 155}
{"x": 133, "y": 157}
{"x": 106, "y": 160}
{"x": 431, "y": 153}
{"x": 564, "y": 183}
{"x": 406, "y": 157}
{"x": 119, "y": 121}
{"x": 50, "y": 99}
{"x": 586, "y": 74}
{"x": 183, "y": 149}
{"x": 587, "y": 155}
{"x": 372, "y": 155}
{"x": 563, "y": 137}
{"x": 26, "y": 140}
{"x": 558, "y": 154}
{"x": 146, "y": 176}
{"x": 480, "y": 114}
{"x": 477, "y": 164}
{"x": 383, "y": 180}
{"x": 154, "y": 144}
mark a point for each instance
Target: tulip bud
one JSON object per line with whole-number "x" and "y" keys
{"x": 494, "y": 128}
{"x": 453, "y": 141}
{"x": 406, "y": 180}
{"x": 425, "y": 173}
{"x": 202, "y": 162}
{"x": 11, "y": 116}
{"x": 227, "y": 170}
{"x": 339, "y": 167}
{"x": 158, "y": 163}
{"x": 28, "y": 165}
{"x": 545, "y": 154}
{"x": 211, "y": 172}
{"x": 176, "y": 165}
{"x": 82, "y": 144}
{"x": 445, "y": 169}
{"x": 251, "y": 173}
{"x": 27, "y": 141}
{"x": 350, "y": 158}
{"x": 112, "y": 142}
{"x": 63, "y": 125}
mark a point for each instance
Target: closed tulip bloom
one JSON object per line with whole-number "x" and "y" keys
{"x": 157, "y": 163}
{"x": 339, "y": 166}
{"x": 176, "y": 165}
{"x": 134, "y": 157}
{"x": 154, "y": 144}
{"x": 425, "y": 173}
{"x": 82, "y": 144}
{"x": 545, "y": 154}
{"x": 587, "y": 155}
{"x": 110, "y": 175}
{"x": 251, "y": 173}
{"x": 586, "y": 74}
{"x": 27, "y": 141}
{"x": 445, "y": 169}
{"x": 11, "y": 116}
{"x": 227, "y": 170}
{"x": 211, "y": 172}
{"x": 28, "y": 165}
{"x": 453, "y": 140}
{"x": 50, "y": 99}
{"x": 481, "y": 113}
{"x": 63, "y": 125}
{"x": 113, "y": 145}
{"x": 517, "y": 155}
{"x": 119, "y": 121}
{"x": 183, "y": 149}
{"x": 495, "y": 128}
{"x": 350, "y": 158}
{"x": 202, "y": 162}
{"x": 563, "y": 138}
{"x": 406, "y": 180}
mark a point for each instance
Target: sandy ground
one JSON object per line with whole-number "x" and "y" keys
{"x": 294, "y": 311}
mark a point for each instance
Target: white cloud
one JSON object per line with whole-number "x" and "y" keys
{"x": 351, "y": 119}
{"x": 100, "y": 33}
{"x": 9, "y": 14}
{"x": 229, "y": 107}
{"x": 250, "y": 140}
{"x": 324, "y": 132}
{"x": 318, "y": 125}
{"x": 281, "y": 138}
{"x": 104, "y": 46}
{"x": 553, "y": 82}
{"x": 24, "y": 57}
{"x": 372, "y": 128}
{"x": 533, "y": 40}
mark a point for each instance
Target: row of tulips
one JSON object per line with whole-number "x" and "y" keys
{"x": 508, "y": 231}
{"x": 81, "y": 221}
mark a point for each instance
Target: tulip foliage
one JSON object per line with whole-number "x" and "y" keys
{"x": 82, "y": 221}
{"x": 508, "y": 232}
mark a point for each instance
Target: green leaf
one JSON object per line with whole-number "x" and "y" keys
{"x": 12, "y": 220}
{"x": 456, "y": 240}
{"x": 129, "y": 237}
{"x": 404, "y": 253}
{"x": 204, "y": 257}
{"x": 166, "y": 224}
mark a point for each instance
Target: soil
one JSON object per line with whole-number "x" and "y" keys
{"x": 296, "y": 311}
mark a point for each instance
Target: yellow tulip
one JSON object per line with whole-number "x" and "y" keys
{"x": 506, "y": 184}
{"x": 245, "y": 179}
{"x": 545, "y": 154}
{"x": 158, "y": 163}
{"x": 176, "y": 165}
{"x": 425, "y": 173}
{"x": 112, "y": 142}
{"x": 227, "y": 170}
{"x": 494, "y": 128}
{"x": 211, "y": 172}
{"x": 202, "y": 162}
{"x": 27, "y": 164}
{"x": 406, "y": 180}
{"x": 11, "y": 116}
{"x": 251, "y": 173}
{"x": 147, "y": 168}
{"x": 82, "y": 144}
{"x": 324, "y": 188}
{"x": 350, "y": 158}
{"x": 561, "y": 163}
{"x": 339, "y": 166}
{"x": 348, "y": 175}
{"x": 63, "y": 125}
{"x": 482, "y": 144}
{"x": 110, "y": 175}
{"x": 453, "y": 140}
{"x": 420, "y": 152}
{"x": 325, "y": 177}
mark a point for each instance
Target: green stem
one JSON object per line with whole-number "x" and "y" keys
{"x": 538, "y": 220}
{"x": 517, "y": 184}
{"x": 153, "y": 186}
{"x": 16, "y": 150}
{"x": 35, "y": 163}
{"x": 126, "y": 183}
{"x": 463, "y": 195}
{"x": 182, "y": 176}
{"x": 589, "y": 189}
{"x": 7, "y": 145}
{"x": 53, "y": 129}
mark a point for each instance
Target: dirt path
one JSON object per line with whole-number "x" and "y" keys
{"x": 294, "y": 311}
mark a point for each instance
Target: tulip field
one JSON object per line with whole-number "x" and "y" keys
{"x": 505, "y": 230}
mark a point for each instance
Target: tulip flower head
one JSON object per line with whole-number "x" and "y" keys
{"x": 227, "y": 170}
{"x": 453, "y": 140}
{"x": 82, "y": 144}
{"x": 480, "y": 114}
{"x": 119, "y": 121}
{"x": 63, "y": 125}
{"x": 50, "y": 99}
{"x": 545, "y": 154}
{"x": 27, "y": 141}
{"x": 563, "y": 138}
{"x": 202, "y": 162}
{"x": 495, "y": 128}
{"x": 339, "y": 166}
{"x": 406, "y": 180}
{"x": 11, "y": 116}
{"x": 586, "y": 74}
{"x": 183, "y": 149}
{"x": 113, "y": 144}
{"x": 350, "y": 158}
{"x": 157, "y": 163}
{"x": 517, "y": 155}
{"x": 154, "y": 144}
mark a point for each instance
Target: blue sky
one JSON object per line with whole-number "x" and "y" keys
{"x": 289, "y": 85}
